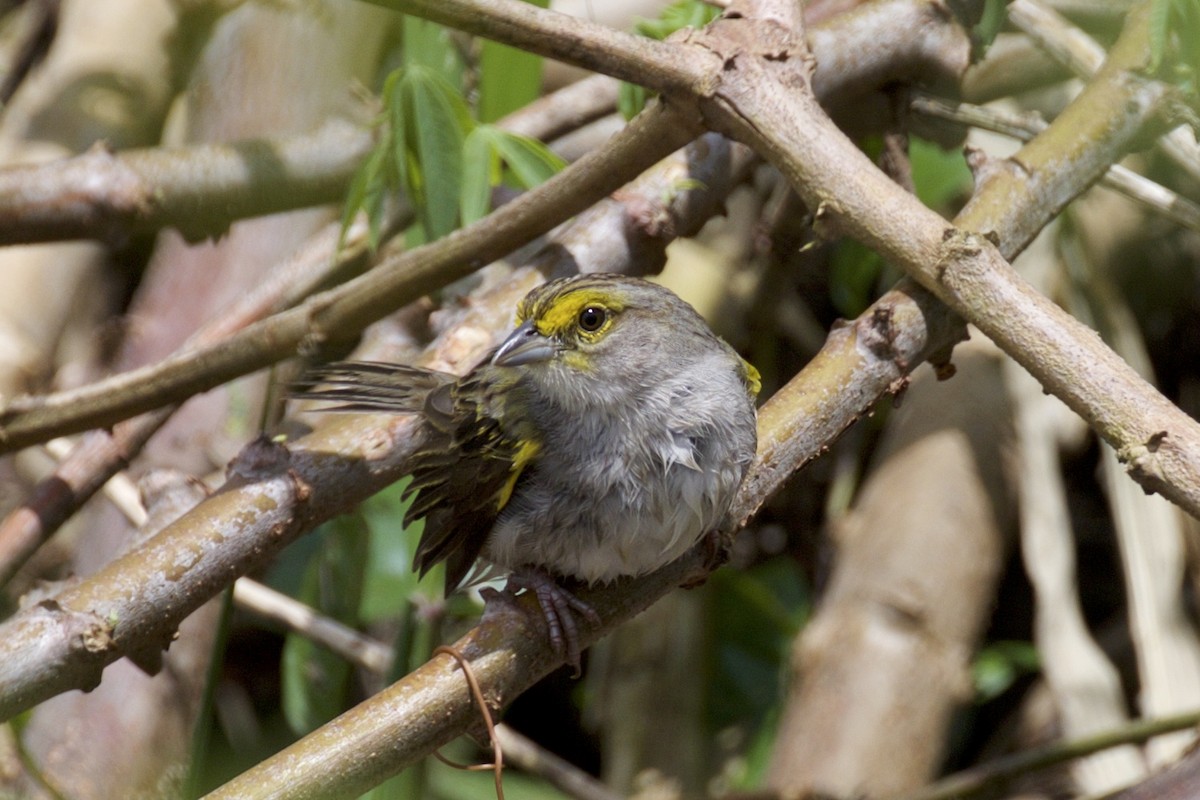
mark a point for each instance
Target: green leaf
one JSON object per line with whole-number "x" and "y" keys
{"x": 1160, "y": 14}
{"x": 396, "y": 144}
{"x": 315, "y": 681}
{"x": 683, "y": 14}
{"x": 1000, "y": 664}
{"x": 480, "y": 163}
{"x": 991, "y": 22}
{"x": 431, "y": 46}
{"x": 486, "y": 151}
{"x": 940, "y": 176}
{"x": 631, "y": 99}
{"x": 436, "y": 122}
{"x": 755, "y": 614}
{"x": 509, "y": 78}
{"x": 389, "y": 582}
{"x": 854, "y": 272}
{"x": 531, "y": 162}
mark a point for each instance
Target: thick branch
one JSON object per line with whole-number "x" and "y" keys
{"x": 766, "y": 102}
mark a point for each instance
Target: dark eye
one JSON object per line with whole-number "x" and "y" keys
{"x": 591, "y": 318}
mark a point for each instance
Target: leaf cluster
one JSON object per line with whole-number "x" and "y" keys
{"x": 434, "y": 147}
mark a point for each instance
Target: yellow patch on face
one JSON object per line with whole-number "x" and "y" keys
{"x": 573, "y": 359}
{"x": 559, "y": 316}
{"x": 525, "y": 453}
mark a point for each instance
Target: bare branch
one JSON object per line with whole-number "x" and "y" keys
{"x": 579, "y": 42}
{"x": 1159, "y": 443}
{"x": 199, "y": 190}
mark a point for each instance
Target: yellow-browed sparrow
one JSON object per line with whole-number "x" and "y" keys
{"x": 605, "y": 436}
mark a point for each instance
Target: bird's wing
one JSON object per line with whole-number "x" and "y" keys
{"x": 465, "y": 474}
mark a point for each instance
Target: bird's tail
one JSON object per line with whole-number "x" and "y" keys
{"x": 369, "y": 386}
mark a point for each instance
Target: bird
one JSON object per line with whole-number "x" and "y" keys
{"x": 606, "y": 435}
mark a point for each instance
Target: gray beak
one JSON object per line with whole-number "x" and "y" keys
{"x": 524, "y": 346}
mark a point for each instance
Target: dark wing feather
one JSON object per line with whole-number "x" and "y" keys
{"x": 370, "y": 386}
{"x": 467, "y": 465}
{"x": 462, "y": 478}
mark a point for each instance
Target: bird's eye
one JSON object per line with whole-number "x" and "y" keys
{"x": 591, "y": 318}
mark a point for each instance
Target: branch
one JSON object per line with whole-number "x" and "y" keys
{"x": 998, "y": 773}
{"x": 199, "y": 190}
{"x": 763, "y": 98}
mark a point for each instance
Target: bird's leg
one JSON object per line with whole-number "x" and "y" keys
{"x": 557, "y": 604}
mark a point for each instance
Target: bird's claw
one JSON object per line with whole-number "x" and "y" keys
{"x": 558, "y": 606}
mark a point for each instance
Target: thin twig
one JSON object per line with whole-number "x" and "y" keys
{"x": 531, "y": 757}
{"x": 362, "y": 651}
{"x": 1024, "y": 126}
{"x": 975, "y": 780}
{"x": 1081, "y": 54}
{"x": 101, "y": 454}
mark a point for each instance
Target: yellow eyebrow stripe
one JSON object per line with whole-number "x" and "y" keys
{"x": 561, "y": 312}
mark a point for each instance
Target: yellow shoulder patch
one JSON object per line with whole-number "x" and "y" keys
{"x": 751, "y": 377}
{"x": 525, "y": 453}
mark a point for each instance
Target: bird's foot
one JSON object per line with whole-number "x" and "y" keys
{"x": 557, "y": 604}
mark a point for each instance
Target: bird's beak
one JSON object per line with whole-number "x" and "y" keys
{"x": 524, "y": 346}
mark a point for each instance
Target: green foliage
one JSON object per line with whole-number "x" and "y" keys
{"x": 487, "y": 152}
{"x": 941, "y": 178}
{"x": 991, "y": 22}
{"x": 430, "y": 121}
{"x": 631, "y": 98}
{"x": 358, "y": 570}
{"x": 1000, "y": 664}
{"x": 748, "y": 658}
{"x": 432, "y": 146}
{"x": 315, "y": 680}
{"x": 678, "y": 15}
{"x": 755, "y": 615}
{"x": 508, "y": 78}
{"x": 854, "y": 276}
{"x": 1175, "y": 41}
{"x": 390, "y": 582}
